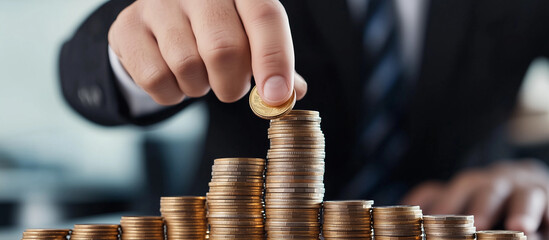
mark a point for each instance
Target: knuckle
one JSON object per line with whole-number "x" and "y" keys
{"x": 499, "y": 185}
{"x": 267, "y": 10}
{"x": 126, "y": 22}
{"x": 273, "y": 56}
{"x": 187, "y": 65}
{"x": 191, "y": 74}
{"x": 223, "y": 49}
{"x": 153, "y": 78}
{"x": 125, "y": 18}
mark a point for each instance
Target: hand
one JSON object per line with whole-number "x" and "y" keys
{"x": 518, "y": 191}
{"x": 178, "y": 48}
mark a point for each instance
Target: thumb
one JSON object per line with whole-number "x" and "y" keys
{"x": 269, "y": 35}
{"x": 300, "y": 86}
{"x": 276, "y": 90}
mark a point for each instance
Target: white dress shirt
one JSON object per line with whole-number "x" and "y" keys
{"x": 411, "y": 19}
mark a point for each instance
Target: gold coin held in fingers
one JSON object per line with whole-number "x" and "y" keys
{"x": 265, "y": 111}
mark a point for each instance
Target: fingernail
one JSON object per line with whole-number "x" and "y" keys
{"x": 275, "y": 89}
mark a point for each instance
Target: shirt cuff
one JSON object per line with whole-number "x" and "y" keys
{"x": 139, "y": 102}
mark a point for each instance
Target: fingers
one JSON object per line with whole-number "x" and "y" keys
{"x": 300, "y": 86}
{"x": 268, "y": 31}
{"x": 178, "y": 47}
{"x": 488, "y": 201}
{"x": 424, "y": 195}
{"x": 454, "y": 199}
{"x": 525, "y": 209}
{"x": 223, "y": 45}
{"x": 139, "y": 54}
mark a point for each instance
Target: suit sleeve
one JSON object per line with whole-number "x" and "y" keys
{"x": 87, "y": 81}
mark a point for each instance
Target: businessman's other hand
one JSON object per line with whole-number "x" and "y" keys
{"x": 178, "y": 48}
{"x": 512, "y": 193}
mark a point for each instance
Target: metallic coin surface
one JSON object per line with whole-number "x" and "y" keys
{"x": 95, "y": 231}
{"x": 294, "y": 186}
{"x": 265, "y": 111}
{"x": 235, "y": 199}
{"x": 449, "y": 226}
{"x": 500, "y": 234}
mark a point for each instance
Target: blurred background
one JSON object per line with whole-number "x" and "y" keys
{"x": 57, "y": 168}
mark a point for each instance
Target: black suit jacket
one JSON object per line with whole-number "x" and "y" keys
{"x": 475, "y": 55}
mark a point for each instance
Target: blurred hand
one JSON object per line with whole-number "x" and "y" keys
{"x": 518, "y": 191}
{"x": 177, "y": 48}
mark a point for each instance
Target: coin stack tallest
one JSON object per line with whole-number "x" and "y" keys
{"x": 294, "y": 187}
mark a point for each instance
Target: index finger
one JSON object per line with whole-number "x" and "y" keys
{"x": 268, "y": 30}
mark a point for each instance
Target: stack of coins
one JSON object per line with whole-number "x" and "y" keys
{"x": 185, "y": 217}
{"x": 403, "y": 222}
{"x": 150, "y": 228}
{"x": 347, "y": 219}
{"x": 235, "y": 199}
{"x": 45, "y": 234}
{"x": 500, "y": 235}
{"x": 449, "y": 227}
{"x": 95, "y": 231}
{"x": 295, "y": 175}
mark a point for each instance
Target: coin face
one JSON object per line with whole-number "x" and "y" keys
{"x": 265, "y": 111}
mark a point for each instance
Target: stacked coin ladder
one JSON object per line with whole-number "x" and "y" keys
{"x": 281, "y": 198}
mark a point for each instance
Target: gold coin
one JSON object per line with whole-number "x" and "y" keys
{"x": 265, "y": 111}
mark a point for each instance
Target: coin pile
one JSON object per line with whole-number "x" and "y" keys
{"x": 45, "y": 234}
{"x": 347, "y": 219}
{"x": 185, "y": 217}
{"x": 449, "y": 227}
{"x": 95, "y": 231}
{"x": 294, "y": 187}
{"x": 501, "y": 235}
{"x": 235, "y": 199}
{"x": 403, "y": 222}
{"x": 150, "y": 228}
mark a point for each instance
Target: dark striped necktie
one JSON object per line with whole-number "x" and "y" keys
{"x": 381, "y": 140}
